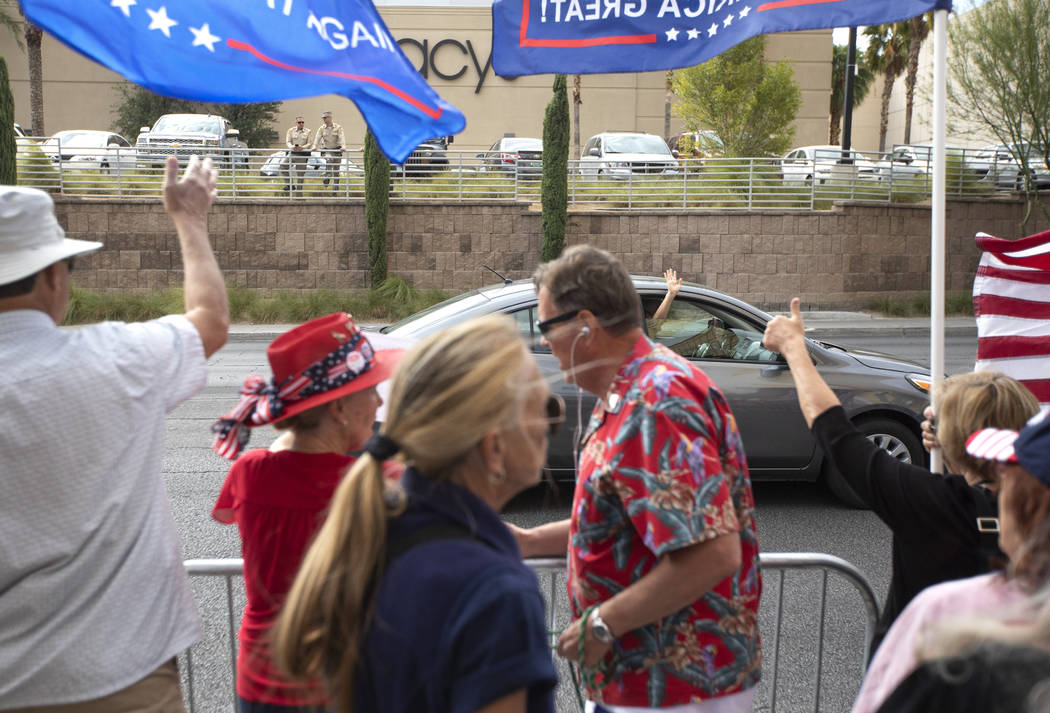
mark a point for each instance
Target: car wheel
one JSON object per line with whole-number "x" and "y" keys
{"x": 891, "y": 436}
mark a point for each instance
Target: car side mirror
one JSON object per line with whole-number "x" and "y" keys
{"x": 480, "y": 155}
{"x": 448, "y": 140}
{"x": 143, "y": 129}
{"x": 674, "y": 152}
{"x": 232, "y": 133}
{"x": 594, "y": 152}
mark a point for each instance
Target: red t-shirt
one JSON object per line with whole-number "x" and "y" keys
{"x": 279, "y": 501}
{"x": 663, "y": 468}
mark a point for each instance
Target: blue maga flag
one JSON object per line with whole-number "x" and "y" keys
{"x": 595, "y": 36}
{"x": 239, "y": 51}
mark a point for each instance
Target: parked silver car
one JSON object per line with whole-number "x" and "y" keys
{"x": 826, "y": 164}
{"x": 884, "y": 396}
{"x": 515, "y": 155}
{"x": 621, "y": 154}
{"x": 276, "y": 165}
{"x": 87, "y": 148}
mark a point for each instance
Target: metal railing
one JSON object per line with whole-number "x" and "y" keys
{"x": 795, "y": 621}
{"x": 745, "y": 183}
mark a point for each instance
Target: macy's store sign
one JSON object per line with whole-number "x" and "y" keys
{"x": 447, "y": 59}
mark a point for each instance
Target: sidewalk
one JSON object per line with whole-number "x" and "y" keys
{"x": 853, "y": 323}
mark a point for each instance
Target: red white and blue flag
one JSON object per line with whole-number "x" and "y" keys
{"x": 1011, "y": 299}
{"x": 241, "y": 51}
{"x": 595, "y": 36}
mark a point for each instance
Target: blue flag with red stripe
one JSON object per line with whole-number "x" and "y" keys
{"x": 597, "y": 36}
{"x": 241, "y": 51}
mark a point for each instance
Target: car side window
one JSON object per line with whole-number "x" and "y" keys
{"x": 525, "y": 320}
{"x": 697, "y": 330}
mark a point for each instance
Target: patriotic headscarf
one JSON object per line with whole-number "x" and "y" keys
{"x": 1011, "y": 300}
{"x": 312, "y": 364}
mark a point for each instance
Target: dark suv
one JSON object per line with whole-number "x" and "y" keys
{"x": 428, "y": 158}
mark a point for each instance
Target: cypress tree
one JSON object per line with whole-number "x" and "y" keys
{"x": 555, "y": 185}
{"x": 377, "y": 206}
{"x": 8, "y": 146}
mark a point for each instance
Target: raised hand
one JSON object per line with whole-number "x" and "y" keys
{"x": 784, "y": 332}
{"x": 191, "y": 197}
{"x": 674, "y": 283}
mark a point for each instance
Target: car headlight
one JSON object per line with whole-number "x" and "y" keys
{"x": 922, "y": 382}
{"x": 618, "y": 164}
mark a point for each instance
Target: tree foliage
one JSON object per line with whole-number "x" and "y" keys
{"x": 554, "y": 193}
{"x": 887, "y": 54}
{"x": 377, "y": 207}
{"x": 749, "y": 104}
{"x": 1000, "y": 62}
{"x": 140, "y": 107}
{"x": 862, "y": 82}
{"x": 8, "y": 146}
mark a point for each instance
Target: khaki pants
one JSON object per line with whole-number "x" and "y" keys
{"x": 156, "y": 693}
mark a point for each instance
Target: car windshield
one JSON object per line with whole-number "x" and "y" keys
{"x": 420, "y": 322}
{"x": 523, "y": 145}
{"x": 636, "y": 144}
{"x": 82, "y": 139}
{"x": 188, "y": 124}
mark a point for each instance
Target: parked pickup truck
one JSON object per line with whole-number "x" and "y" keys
{"x": 185, "y": 135}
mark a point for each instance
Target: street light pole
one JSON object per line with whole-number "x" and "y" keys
{"x": 847, "y": 100}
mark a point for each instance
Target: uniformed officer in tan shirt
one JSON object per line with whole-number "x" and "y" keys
{"x": 298, "y": 141}
{"x": 329, "y": 139}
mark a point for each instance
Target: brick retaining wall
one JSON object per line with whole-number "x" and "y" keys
{"x": 832, "y": 259}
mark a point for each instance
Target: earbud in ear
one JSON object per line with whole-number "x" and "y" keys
{"x": 585, "y": 330}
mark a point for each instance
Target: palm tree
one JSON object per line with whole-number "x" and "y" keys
{"x": 918, "y": 30}
{"x": 668, "y": 101}
{"x": 34, "y": 39}
{"x": 862, "y": 81}
{"x": 576, "y": 101}
{"x": 887, "y": 55}
{"x": 20, "y": 27}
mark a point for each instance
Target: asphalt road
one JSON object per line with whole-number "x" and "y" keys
{"x": 791, "y": 517}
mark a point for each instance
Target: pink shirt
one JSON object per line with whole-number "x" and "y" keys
{"x": 895, "y": 658}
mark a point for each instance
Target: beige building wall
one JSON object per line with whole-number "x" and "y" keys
{"x": 79, "y": 94}
{"x": 962, "y": 127}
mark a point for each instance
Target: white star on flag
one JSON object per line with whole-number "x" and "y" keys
{"x": 159, "y": 20}
{"x": 693, "y": 33}
{"x": 672, "y": 35}
{"x": 744, "y": 12}
{"x": 203, "y": 36}
{"x": 124, "y": 6}
{"x": 712, "y": 30}
{"x": 728, "y": 21}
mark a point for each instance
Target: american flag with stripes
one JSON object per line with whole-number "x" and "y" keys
{"x": 1011, "y": 300}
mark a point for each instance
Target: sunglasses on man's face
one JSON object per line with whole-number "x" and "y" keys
{"x": 546, "y": 325}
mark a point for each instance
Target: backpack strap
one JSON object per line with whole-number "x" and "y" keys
{"x": 439, "y": 530}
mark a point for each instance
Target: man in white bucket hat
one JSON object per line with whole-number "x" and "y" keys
{"x": 94, "y": 601}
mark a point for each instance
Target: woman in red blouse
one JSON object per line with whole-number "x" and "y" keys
{"x": 323, "y": 397}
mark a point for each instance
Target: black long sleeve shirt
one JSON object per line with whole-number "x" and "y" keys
{"x": 933, "y": 517}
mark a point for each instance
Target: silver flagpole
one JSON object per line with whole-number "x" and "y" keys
{"x": 940, "y": 42}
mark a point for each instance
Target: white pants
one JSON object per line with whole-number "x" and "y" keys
{"x": 736, "y": 703}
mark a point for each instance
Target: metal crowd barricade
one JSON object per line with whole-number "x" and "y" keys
{"x": 785, "y": 662}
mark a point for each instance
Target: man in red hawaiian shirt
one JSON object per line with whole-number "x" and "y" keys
{"x": 663, "y": 555}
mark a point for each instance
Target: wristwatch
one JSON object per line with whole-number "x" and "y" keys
{"x": 601, "y": 630}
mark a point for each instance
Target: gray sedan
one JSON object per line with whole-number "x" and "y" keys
{"x": 884, "y": 396}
